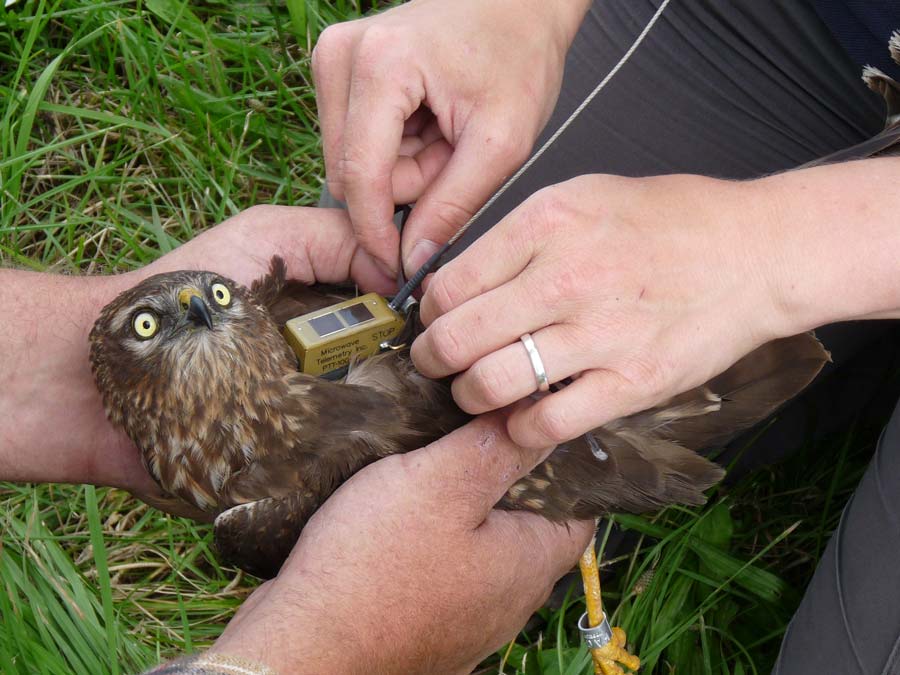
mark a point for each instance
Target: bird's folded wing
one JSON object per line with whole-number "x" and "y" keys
{"x": 744, "y": 394}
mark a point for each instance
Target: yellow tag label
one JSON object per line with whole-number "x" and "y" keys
{"x": 330, "y": 338}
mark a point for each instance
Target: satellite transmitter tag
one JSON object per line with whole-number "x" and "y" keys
{"x": 329, "y": 338}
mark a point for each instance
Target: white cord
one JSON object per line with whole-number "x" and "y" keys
{"x": 565, "y": 125}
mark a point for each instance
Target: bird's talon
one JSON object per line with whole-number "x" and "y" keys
{"x": 614, "y": 653}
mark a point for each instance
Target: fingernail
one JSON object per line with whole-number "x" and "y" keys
{"x": 421, "y": 252}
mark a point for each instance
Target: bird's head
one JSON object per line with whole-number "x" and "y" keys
{"x": 182, "y": 337}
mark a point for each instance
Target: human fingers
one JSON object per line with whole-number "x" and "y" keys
{"x": 457, "y": 339}
{"x": 316, "y": 244}
{"x": 417, "y": 166}
{"x": 424, "y": 152}
{"x": 507, "y": 375}
{"x": 332, "y": 59}
{"x": 595, "y": 398}
{"x": 485, "y": 152}
{"x": 496, "y": 257}
{"x": 382, "y": 97}
{"x": 421, "y": 129}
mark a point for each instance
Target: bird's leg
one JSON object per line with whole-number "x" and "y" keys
{"x": 608, "y": 657}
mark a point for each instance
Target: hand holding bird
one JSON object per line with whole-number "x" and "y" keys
{"x": 407, "y": 568}
{"x": 194, "y": 367}
{"x": 432, "y": 102}
{"x": 62, "y": 434}
{"x": 769, "y": 375}
{"x": 647, "y": 287}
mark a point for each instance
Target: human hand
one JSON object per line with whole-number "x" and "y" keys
{"x": 642, "y": 288}
{"x": 407, "y": 569}
{"x": 437, "y": 102}
{"x": 62, "y": 433}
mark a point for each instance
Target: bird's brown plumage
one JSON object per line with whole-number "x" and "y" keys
{"x": 225, "y": 422}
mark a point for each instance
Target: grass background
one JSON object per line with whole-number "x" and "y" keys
{"x": 127, "y": 128}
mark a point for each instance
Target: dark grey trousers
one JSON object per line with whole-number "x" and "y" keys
{"x": 849, "y": 619}
{"x": 740, "y": 89}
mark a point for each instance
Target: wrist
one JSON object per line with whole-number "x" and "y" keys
{"x": 564, "y": 15}
{"x": 569, "y": 15}
{"x": 834, "y": 241}
{"x": 257, "y": 633}
{"x": 61, "y": 432}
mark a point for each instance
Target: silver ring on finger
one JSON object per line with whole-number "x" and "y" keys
{"x": 537, "y": 365}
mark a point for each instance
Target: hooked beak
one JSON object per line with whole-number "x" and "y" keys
{"x": 198, "y": 312}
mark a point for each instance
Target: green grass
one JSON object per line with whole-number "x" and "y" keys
{"x": 711, "y": 590}
{"x": 92, "y": 579}
{"x": 127, "y": 128}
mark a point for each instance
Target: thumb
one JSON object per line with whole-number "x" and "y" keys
{"x": 479, "y": 164}
{"x": 473, "y": 466}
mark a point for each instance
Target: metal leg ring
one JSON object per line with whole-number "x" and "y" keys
{"x": 598, "y": 636}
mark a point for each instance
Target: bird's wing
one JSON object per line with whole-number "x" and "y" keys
{"x": 639, "y": 473}
{"x": 323, "y": 433}
{"x": 330, "y": 430}
{"x": 315, "y": 437}
{"x": 650, "y": 460}
{"x": 744, "y": 394}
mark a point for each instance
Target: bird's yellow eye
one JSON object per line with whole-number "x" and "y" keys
{"x": 145, "y": 325}
{"x": 221, "y": 294}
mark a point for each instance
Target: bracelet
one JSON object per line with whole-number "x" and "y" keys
{"x": 210, "y": 664}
